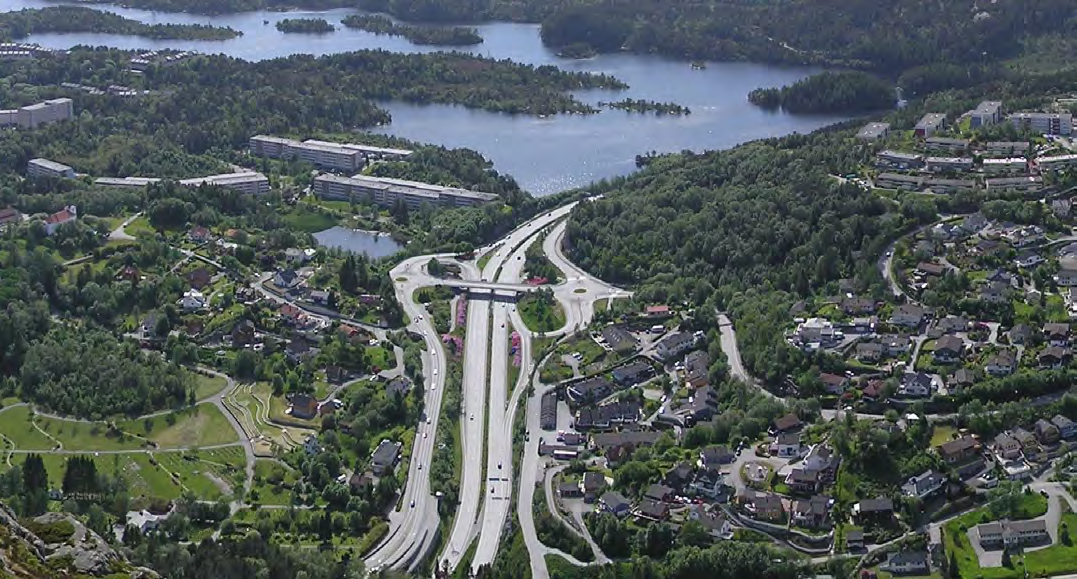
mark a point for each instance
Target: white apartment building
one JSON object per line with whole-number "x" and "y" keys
{"x": 44, "y": 168}
{"x": 386, "y": 192}
{"x": 1007, "y": 166}
{"x": 1045, "y": 123}
{"x": 50, "y": 111}
{"x": 247, "y": 182}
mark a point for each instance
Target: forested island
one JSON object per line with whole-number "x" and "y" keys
{"x": 61, "y": 19}
{"x": 305, "y": 26}
{"x": 423, "y": 35}
{"x": 829, "y": 92}
{"x": 646, "y": 106}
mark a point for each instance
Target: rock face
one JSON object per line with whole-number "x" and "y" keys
{"x": 61, "y": 547}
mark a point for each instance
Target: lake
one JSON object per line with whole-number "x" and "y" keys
{"x": 374, "y": 245}
{"x": 545, "y": 155}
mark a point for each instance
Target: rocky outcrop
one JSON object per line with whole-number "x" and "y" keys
{"x": 58, "y": 545}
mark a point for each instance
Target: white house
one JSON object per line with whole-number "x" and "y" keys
{"x": 907, "y": 563}
{"x": 192, "y": 300}
{"x": 65, "y": 215}
{"x": 786, "y": 445}
{"x": 917, "y": 385}
{"x": 286, "y": 278}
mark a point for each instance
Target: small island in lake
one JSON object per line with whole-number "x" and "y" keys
{"x": 305, "y": 26}
{"x": 828, "y": 92}
{"x": 577, "y": 50}
{"x": 65, "y": 19}
{"x": 646, "y": 106}
{"x": 440, "y": 36}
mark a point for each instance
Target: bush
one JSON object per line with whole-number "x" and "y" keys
{"x": 56, "y": 532}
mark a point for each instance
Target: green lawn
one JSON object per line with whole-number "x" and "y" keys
{"x": 88, "y": 436}
{"x": 942, "y": 433}
{"x": 202, "y": 425}
{"x": 140, "y": 227}
{"x": 206, "y": 386}
{"x": 307, "y": 221}
{"x": 15, "y": 425}
{"x": 272, "y": 483}
{"x": 208, "y": 474}
{"x": 540, "y": 316}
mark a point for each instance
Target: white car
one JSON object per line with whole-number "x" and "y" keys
{"x": 428, "y": 420}
{"x": 420, "y": 466}
{"x": 424, "y": 435}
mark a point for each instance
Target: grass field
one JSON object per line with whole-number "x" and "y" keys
{"x": 140, "y": 227}
{"x": 269, "y": 491}
{"x": 15, "y": 425}
{"x": 206, "y": 386}
{"x": 88, "y": 436}
{"x": 209, "y": 474}
{"x": 202, "y": 425}
{"x": 307, "y": 221}
{"x": 942, "y": 433}
{"x": 540, "y": 316}
{"x": 1055, "y": 560}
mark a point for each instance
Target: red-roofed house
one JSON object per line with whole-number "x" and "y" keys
{"x": 199, "y": 234}
{"x": 65, "y": 215}
{"x": 657, "y": 311}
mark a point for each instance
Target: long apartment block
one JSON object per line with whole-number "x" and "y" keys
{"x": 386, "y": 192}
{"x": 32, "y": 116}
{"x": 336, "y": 156}
{"x": 246, "y": 182}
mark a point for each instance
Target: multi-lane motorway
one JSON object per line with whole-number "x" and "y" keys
{"x": 489, "y": 406}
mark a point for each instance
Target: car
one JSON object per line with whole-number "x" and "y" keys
{"x": 420, "y": 466}
{"x": 519, "y": 257}
{"x": 435, "y": 371}
{"x": 424, "y": 435}
{"x": 502, "y": 325}
{"x": 499, "y": 465}
{"x": 413, "y": 503}
{"x": 418, "y": 318}
{"x": 428, "y": 420}
{"x": 473, "y": 417}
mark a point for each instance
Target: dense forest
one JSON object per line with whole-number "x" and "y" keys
{"x": 744, "y": 230}
{"x": 440, "y": 36}
{"x": 829, "y": 92}
{"x": 23, "y": 23}
{"x": 305, "y": 25}
{"x": 229, "y": 6}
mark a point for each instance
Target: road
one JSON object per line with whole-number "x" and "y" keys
{"x": 119, "y": 234}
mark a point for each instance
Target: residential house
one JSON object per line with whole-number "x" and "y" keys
{"x": 786, "y": 444}
{"x": 675, "y": 345}
{"x": 788, "y": 423}
{"x": 1002, "y": 363}
{"x": 959, "y": 450}
{"x": 679, "y": 476}
{"x": 854, "y": 540}
{"x": 930, "y": 269}
{"x": 385, "y": 456}
{"x": 129, "y": 273}
{"x": 657, "y": 311}
{"x": 995, "y": 292}
{"x": 593, "y": 484}
{"x": 192, "y": 300}
{"x": 634, "y": 373}
{"x": 713, "y": 457}
{"x": 619, "y": 339}
{"x": 707, "y": 483}
{"x": 1020, "y": 334}
{"x": 1028, "y": 442}
{"x": 145, "y": 521}
{"x": 895, "y": 344}
{"x": 877, "y": 509}
{"x": 399, "y": 386}
{"x": 822, "y": 459}
{"x": 653, "y": 511}
{"x": 948, "y": 349}
{"x": 361, "y": 482}
{"x": 1010, "y": 534}
{"x": 803, "y": 480}
{"x": 590, "y": 390}
{"x": 870, "y": 352}
{"x": 9, "y": 215}
{"x": 298, "y": 350}
{"x": 1053, "y": 357}
{"x": 917, "y": 385}
{"x": 1047, "y": 432}
{"x": 873, "y": 390}
{"x": 834, "y": 383}
{"x": 64, "y": 216}
{"x": 303, "y": 406}
{"x": 813, "y": 513}
{"x": 907, "y": 315}
{"x": 335, "y": 374}
{"x": 614, "y": 503}
{"x": 1066, "y": 428}
{"x": 766, "y": 507}
{"x": 962, "y": 378}
{"x": 907, "y": 563}
{"x": 659, "y": 493}
{"x": 606, "y": 441}
{"x": 814, "y": 334}
{"x": 311, "y": 446}
{"x": 712, "y": 520}
{"x": 857, "y": 306}
{"x": 1057, "y": 334}
{"x": 286, "y": 278}
{"x": 199, "y": 278}
{"x": 298, "y": 256}
{"x": 243, "y": 333}
{"x": 952, "y": 324}
{"x": 199, "y": 234}
{"x": 923, "y": 485}
{"x": 1066, "y": 277}
{"x": 697, "y": 368}
{"x": 147, "y": 329}
{"x": 1006, "y": 446}
{"x": 320, "y": 297}
{"x": 1027, "y": 259}
{"x": 569, "y": 490}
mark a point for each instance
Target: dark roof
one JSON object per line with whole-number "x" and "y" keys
{"x": 653, "y": 509}
{"x": 386, "y": 453}
{"x": 877, "y": 505}
{"x": 614, "y": 500}
{"x": 787, "y": 422}
{"x": 658, "y": 492}
{"x": 593, "y": 481}
{"x": 960, "y": 445}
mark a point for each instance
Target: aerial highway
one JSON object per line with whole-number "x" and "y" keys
{"x": 488, "y": 404}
